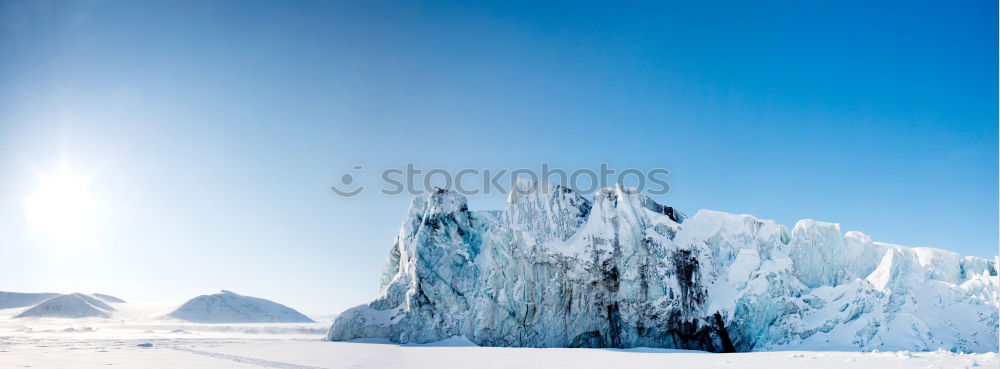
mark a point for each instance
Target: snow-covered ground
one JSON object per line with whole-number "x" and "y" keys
{"x": 138, "y": 340}
{"x": 77, "y": 351}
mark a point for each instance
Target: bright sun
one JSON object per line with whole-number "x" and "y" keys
{"x": 62, "y": 206}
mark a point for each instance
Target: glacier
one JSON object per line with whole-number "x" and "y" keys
{"x": 557, "y": 269}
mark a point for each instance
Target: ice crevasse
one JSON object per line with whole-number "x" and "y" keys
{"x": 557, "y": 269}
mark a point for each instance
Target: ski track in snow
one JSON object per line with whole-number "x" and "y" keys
{"x": 246, "y": 360}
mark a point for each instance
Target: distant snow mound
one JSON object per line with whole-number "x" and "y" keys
{"x": 10, "y": 300}
{"x": 108, "y": 298}
{"x": 228, "y": 307}
{"x": 74, "y": 305}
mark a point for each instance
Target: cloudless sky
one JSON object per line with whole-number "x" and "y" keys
{"x": 211, "y": 131}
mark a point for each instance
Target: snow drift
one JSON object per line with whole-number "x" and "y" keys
{"x": 229, "y": 307}
{"x": 555, "y": 269}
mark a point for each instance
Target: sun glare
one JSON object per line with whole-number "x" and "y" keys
{"x": 62, "y": 206}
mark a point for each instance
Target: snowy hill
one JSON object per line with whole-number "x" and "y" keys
{"x": 228, "y": 307}
{"x": 555, "y": 269}
{"x": 10, "y": 300}
{"x": 74, "y": 305}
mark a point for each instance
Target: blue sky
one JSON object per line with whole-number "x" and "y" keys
{"x": 210, "y": 131}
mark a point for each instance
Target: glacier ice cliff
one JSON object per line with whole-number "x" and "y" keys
{"x": 556, "y": 269}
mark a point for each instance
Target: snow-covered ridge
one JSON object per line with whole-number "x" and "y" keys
{"x": 229, "y": 307}
{"x": 555, "y": 269}
{"x": 73, "y": 305}
{"x": 21, "y": 299}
